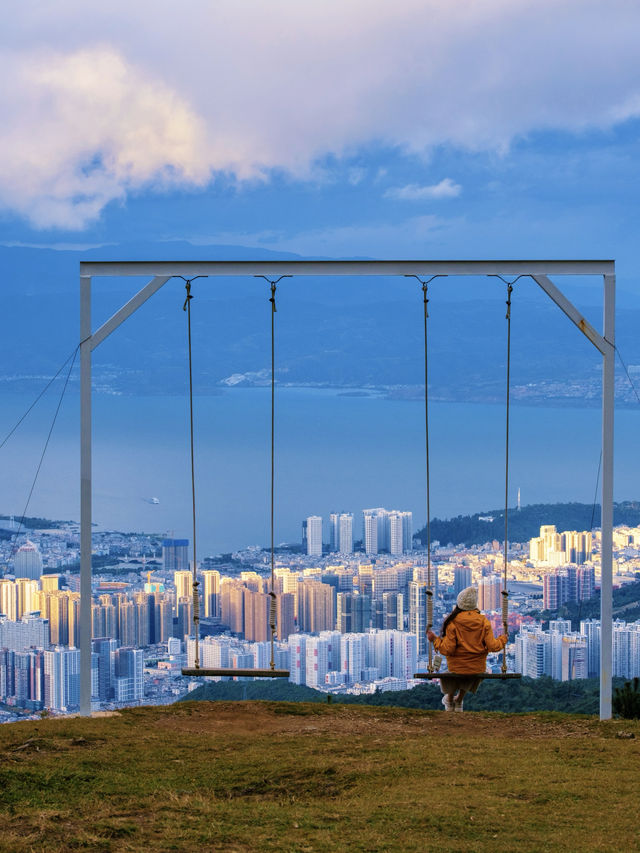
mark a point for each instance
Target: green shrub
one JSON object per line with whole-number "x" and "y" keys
{"x": 626, "y": 700}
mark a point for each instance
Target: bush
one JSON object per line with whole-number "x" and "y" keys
{"x": 626, "y": 700}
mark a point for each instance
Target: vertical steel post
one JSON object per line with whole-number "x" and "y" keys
{"x": 606, "y": 557}
{"x": 85, "y": 495}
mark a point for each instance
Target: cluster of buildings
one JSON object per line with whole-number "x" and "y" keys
{"x": 564, "y": 654}
{"x": 568, "y": 560}
{"x": 383, "y": 531}
{"x": 329, "y": 660}
{"x": 347, "y": 622}
{"x": 560, "y": 549}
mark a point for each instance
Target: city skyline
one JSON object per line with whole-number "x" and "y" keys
{"x": 346, "y": 622}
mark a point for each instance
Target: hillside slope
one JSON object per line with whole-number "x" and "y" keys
{"x": 307, "y": 777}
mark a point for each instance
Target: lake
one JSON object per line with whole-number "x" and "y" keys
{"x": 334, "y": 452}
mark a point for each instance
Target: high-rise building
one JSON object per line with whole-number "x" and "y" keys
{"x": 285, "y": 615}
{"x": 128, "y": 681}
{"x": 421, "y": 573}
{"x": 585, "y": 583}
{"x": 30, "y": 630}
{"x": 315, "y": 606}
{"x": 353, "y": 655}
{"x": 392, "y": 611}
{"x": 375, "y": 534}
{"x": 104, "y": 617}
{"x": 162, "y": 615}
{"x": 532, "y": 652}
{"x": 22, "y": 678}
{"x": 8, "y": 599}
{"x": 400, "y": 531}
{"x": 317, "y": 660}
{"x": 211, "y": 579}
{"x": 590, "y": 629}
{"x": 50, "y": 583}
{"x": 26, "y": 596}
{"x": 555, "y": 588}
{"x": 256, "y": 616}
{"x": 183, "y": 582}
{"x": 341, "y": 532}
{"x": 489, "y": 593}
{"x": 27, "y": 562}
{"x": 298, "y": 658}
{"x": 127, "y": 632}
{"x": 61, "y": 678}
{"x": 312, "y": 535}
{"x": 418, "y": 614}
{"x": 385, "y": 530}
{"x": 104, "y": 648}
{"x": 461, "y": 578}
{"x": 183, "y": 622}
{"x": 232, "y": 604}
{"x": 574, "y": 657}
{"x": 353, "y": 614}
{"x": 175, "y": 555}
{"x": 144, "y": 621}
{"x": 392, "y": 653}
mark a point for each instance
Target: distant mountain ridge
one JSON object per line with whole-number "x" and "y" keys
{"x": 346, "y": 332}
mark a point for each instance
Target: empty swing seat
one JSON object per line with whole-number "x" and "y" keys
{"x": 237, "y": 673}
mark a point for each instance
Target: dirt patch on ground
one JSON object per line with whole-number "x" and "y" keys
{"x": 247, "y": 718}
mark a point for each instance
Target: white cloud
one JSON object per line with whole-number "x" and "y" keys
{"x": 169, "y": 95}
{"x": 414, "y": 192}
{"x": 84, "y": 128}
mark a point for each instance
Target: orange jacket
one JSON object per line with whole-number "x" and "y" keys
{"x": 467, "y": 641}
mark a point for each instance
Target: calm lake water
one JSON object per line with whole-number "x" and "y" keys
{"x": 334, "y": 452}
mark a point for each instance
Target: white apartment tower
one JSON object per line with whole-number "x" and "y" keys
{"x": 312, "y": 535}
{"x": 385, "y": 530}
{"x": 341, "y": 524}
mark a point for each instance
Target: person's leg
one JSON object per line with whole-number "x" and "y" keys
{"x": 448, "y": 687}
{"x": 458, "y": 699}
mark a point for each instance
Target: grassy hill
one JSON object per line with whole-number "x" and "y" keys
{"x": 268, "y": 776}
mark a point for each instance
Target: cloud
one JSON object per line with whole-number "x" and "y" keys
{"x": 84, "y": 129}
{"x": 166, "y": 98}
{"x": 413, "y": 192}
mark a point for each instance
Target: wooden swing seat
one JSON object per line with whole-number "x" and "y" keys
{"x": 462, "y": 675}
{"x": 237, "y": 673}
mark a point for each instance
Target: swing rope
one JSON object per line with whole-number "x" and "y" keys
{"x": 196, "y": 597}
{"x": 425, "y": 300}
{"x": 425, "y": 316}
{"x": 505, "y": 592}
{"x": 273, "y": 606}
{"x": 273, "y": 624}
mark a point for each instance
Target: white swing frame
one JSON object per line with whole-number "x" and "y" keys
{"x": 163, "y": 271}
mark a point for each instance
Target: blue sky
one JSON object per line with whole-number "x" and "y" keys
{"x": 478, "y": 129}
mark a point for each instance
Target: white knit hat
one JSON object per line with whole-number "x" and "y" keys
{"x": 468, "y": 598}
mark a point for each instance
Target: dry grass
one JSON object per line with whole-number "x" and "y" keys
{"x": 279, "y": 776}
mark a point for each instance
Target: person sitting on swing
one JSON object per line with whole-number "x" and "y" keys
{"x": 466, "y": 639}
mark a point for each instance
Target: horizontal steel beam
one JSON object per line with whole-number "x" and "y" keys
{"x": 190, "y": 269}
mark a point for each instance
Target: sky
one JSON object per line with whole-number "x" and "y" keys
{"x": 481, "y": 128}
{"x": 358, "y": 128}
